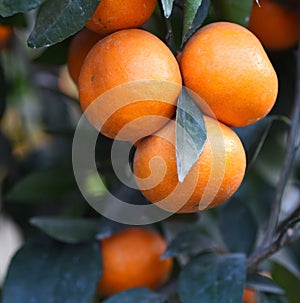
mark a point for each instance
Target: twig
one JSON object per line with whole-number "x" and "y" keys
{"x": 290, "y": 218}
{"x": 269, "y": 246}
{"x": 288, "y": 160}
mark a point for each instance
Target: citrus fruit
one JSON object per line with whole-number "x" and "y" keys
{"x": 215, "y": 176}
{"x": 275, "y": 25}
{"x": 113, "y": 15}
{"x": 79, "y": 47}
{"x": 249, "y": 296}
{"x": 5, "y": 34}
{"x": 226, "y": 66}
{"x": 132, "y": 258}
{"x": 132, "y": 80}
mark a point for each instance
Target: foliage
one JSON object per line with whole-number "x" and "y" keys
{"x": 217, "y": 252}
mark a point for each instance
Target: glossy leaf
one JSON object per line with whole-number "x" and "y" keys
{"x": 190, "y": 134}
{"x": 52, "y": 272}
{"x": 238, "y": 227}
{"x": 236, "y": 11}
{"x": 189, "y": 242}
{"x": 211, "y": 278}
{"x": 138, "y": 295}
{"x": 59, "y": 19}
{"x": 11, "y": 7}
{"x": 263, "y": 284}
{"x": 167, "y": 7}
{"x": 43, "y": 185}
{"x": 67, "y": 230}
{"x": 254, "y": 136}
{"x": 195, "y": 13}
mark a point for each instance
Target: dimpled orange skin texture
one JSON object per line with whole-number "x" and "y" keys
{"x": 226, "y": 65}
{"x": 79, "y": 47}
{"x": 5, "y": 34}
{"x": 216, "y": 175}
{"x": 113, "y": 15}
{"x": 125, "y": 62}
{"x": 249, "y": 296}
{"x": 132, "y": 258}
{"x": 276, "y": 26}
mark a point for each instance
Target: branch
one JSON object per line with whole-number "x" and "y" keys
{"x": 288, "y": 160}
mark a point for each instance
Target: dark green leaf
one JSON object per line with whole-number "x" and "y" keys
{"x": 270, "y": 298}
{"x": 211, "y": 278}
{"x": 195, "y": 13}
{"x": 2, "y": 91}
{"x": 253, "y": 137}
{"x": 17, "y": 20}
{"x": 137, "y": 295}
{"x": 11, "y": 7}
{"x": 43, "y": 185}
{"x": 5, "y": 156}
{"x": 190, "y": 242}
{"x": 59, "y": 19}
{"x": 167, "y": 7}
{"x": 107, "y": 227}
{"x": 67, "y": 230}
{"x": 237, "y": 226}
{"x": 190, "y": 134}
{"x": 53, "y": 273}
{"x": 236, "y": 11}
{"x": 263, "y": 284}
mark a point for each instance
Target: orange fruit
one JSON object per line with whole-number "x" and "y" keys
{"x": 215, "y": 176}
{"x": 249, "y": 296}
{"x": 79, "y": 47}
{"x": 275, "y": 25}
{"x": 132, "y": 258}
{"x": 113, "y": 15}
{"x": 132, "y": 80}
{"x": 5, "y": 34}
{"x": 226, "y": 66}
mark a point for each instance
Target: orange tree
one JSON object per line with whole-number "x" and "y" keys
{"x": 217, "y": 197}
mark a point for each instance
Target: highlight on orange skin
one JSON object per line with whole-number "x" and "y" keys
{"x": 275, "y": 25}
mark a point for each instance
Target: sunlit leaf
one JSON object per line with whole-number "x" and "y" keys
{"x": 190, "y": 134}
{"x": 167, "y": 7}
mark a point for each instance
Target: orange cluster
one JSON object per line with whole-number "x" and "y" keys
{"x": 129, "y": 83}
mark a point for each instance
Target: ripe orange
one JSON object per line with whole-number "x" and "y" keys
{"x": 249, "y": 296}
{"x": 215, "y": 176}
{"x": 5, "y": 34}
{"x": 226, "y": 65}
{"x": 132, "y": 258}
{"x": 113, "y": 15}
{"x": 79, "y": 47}
{"x": 276, "y": 26}
{"x": 133, "y": 80}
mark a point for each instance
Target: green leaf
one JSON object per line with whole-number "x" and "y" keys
{"x": 263, "y": 284}
{"x": 2, "y": 91}
{"x": 270, "y": 298}
{"x": 211, "y": 278}
{"x": 253, "y": 137}
{"x": 167, "y": 7}
{"x": 11, "y": 7}
{"x": 6, "y": 156}
{"x": 17, "y": 20}
{"x": 237, "y": 226}
{"x": 43, "y": 185}
{"x": 194, "y": 14}
{"x": 190, "y": 134}
{"x": 236, "y": 11}
{"x": 53, "y": 272}
{"x": 67, "y": 230}
{"x": 137, "y": 295}
{"x": 189, "y": 242}
{"x": 59, "y": 19}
